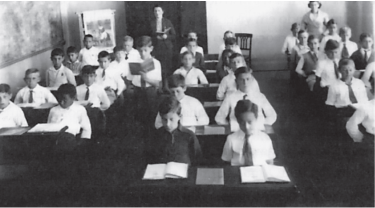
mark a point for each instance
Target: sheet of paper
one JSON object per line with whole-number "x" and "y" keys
{"x": 13, "y": 131}
{"x": 46, "y": 127}
{"x": 154, "y": 172}
{"x": 46, "y": 106}
{"x": 275, "y": 173}
{"x": 176, "y": 170}
{"x": 210, "y": 176}
{"x": 252, "y": 174}
{"x": 212, "y": 104}
{"x": 214, "y": 130}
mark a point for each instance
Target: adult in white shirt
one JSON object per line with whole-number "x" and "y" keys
{"x": 315, "y": 20}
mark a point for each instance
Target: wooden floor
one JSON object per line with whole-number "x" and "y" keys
{"x": 326, "y": 172}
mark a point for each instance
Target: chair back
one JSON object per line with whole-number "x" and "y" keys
{"x": 244, "y": 41}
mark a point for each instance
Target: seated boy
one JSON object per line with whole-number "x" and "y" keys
{"x": 291, "y": 40}
{"x": 296, "y": 53}
{"x": 119, "y": 67}
{"x": 233, "y": 44}
{"x": 173, "y": 142}
{"x": 192, "y": 35}
{"x": 70, "y": 113}
{"x": 33, "y": 92}
{"x": 267, "y": 115}
{"x": 347, "y": 47}
{"x": 192, "y": 75}
{"x": 131, "y": 54}
{"x": 223, "y": 66}
{"x": 363, "y": 115}
{"x": 365, "y": 54}
{"x": 198, "y": 56}
{"x": 192, "y": 111}
{"x": 58, "y": 74}
{"x": 332, "y": 34}
{"x": 91, "y": 94}
{"x": 73, "y": 63}
{"x": 10, "y": 114}
{"x": 88, "y": 55}
{"x": 248, "y": 146}
{"x": 228, "y": 83}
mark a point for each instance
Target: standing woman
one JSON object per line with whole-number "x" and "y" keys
{"x": 163, "y": 35}
{"x": 315, "y": 20}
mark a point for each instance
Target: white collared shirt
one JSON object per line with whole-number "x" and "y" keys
{"x": 89, "y": 56}
{"x": 289, "y": 43}
{"x": 228, "y": 85}
{"x": 193, "y": 76}
{"x": 266, "y": 113}
{"x": 325, "y": 69}
{"x": 364, "y": 115}
{"x": 338, "y": 93}
{"x": 323, "y": 43}
{"x": 260, "y": 145}
{"x": 118, "y": 68}
{"x": 297, "y": 52}
{"x": 12, "y": 116}
{"x": 199, "y": 50}
{"x": 97, "y": 96}
{"x": 75, "y": 117}
{"x": 57, "y": 77}
{"x": 109, "y": 80}
{"x": 236, "y": 49}
{"x": 40, "y": 95}
{"x": 192, "y": 113}
{"x": 350, "y": 45}
{"x": 153, "y": 74}
{"x": 133, "y": 55}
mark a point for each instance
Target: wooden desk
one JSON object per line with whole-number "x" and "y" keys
{"x": 203, "y": 92}
{"x": 211, "y": 109}
{"x": 37, "y": 114}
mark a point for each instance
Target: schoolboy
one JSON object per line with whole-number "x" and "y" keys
{"x": 70, "y": 113}
{"x": 89, "y": 54}
{"x": 363, "y": 115}
{"x": 229, "y": 35}
{"x": 249, "y": 145}
{"x": 347, "y": 47}
{"x": 192, "y": 36}
{"x": 307, "y": 63}
{"x": 58, "y": 74}
{"x": 119, "y": 67}
{"x": 365, "y": 54}
{"x": 33, "y": 92}
{"x": 298, "y": 50}
{"x": 90, "y": 93}
{"x": 198, "y": 56}
{"x": 291, "y": 40}
{"x": 223, "y": 67}
{"x": 332, "y": 34}
{"x": 192, "y": 74}
{"x": 173, "y": 142}
{"x": 228, "y": 83}
{"x": 192, "y": 113}
{"x": 10, "y": 114}
{"x": 267, "y": 114}
{"x": 73, "y": 63}
{"x": 131, "y": 54}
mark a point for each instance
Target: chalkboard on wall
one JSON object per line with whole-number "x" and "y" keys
{"x": 28, "y": 28}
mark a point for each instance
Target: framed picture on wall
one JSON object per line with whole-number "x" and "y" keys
{"x": 101, "y": 25}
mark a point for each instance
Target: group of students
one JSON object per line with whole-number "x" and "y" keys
{"x": 337, "y": 74}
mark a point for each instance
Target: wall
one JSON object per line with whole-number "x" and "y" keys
{"x": 360, "y": 17}
{"x": 269, "y": 22}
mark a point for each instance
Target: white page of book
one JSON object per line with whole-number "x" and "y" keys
{"x": 275, "y": 173}
{"x": 214, "y": 130}
{"x": 252, "y": 174}
{"x": 176, "y": 170}
{"x": 47, "y": 127}
{"x": 155, "y": 172}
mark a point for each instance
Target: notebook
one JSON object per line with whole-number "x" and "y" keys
{"x": 162, "y": 171}
{"x": 145, "y": 66}
{"x": 47, "y": 127}
{"x": 264, "y": 173}
{"x": 13, "y": 131}
{"x": 214, "y": 130}
{"x": 210, "y": 176}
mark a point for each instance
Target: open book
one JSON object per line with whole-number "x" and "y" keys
{"x": 47, "y": 127}
{"x": 264, "y": 173}
{"x": 169, "y": 170}
{"x": 145, "y": 66}
{"x": 163, "y": 32}
{"x": 214, "y": 130}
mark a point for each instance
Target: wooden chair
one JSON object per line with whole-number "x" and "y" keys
{"x": 244, "y": 40}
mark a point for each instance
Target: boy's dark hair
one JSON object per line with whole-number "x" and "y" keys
{"x": 230, "y": 41}
{"x": 144, "y": 41}
{"x": 156, "y": 6}
{"x": 301, "y": 31}
{"x": 331, "y": 22}
{"x": 312, "y": 37}
{"x": 345, "y": 29}
{"x": 66, "y": 89}
{"x": 191, "y": 31}
{"x": 170, "y": 104}
{"x": 57, "y": 52}
{"x": 30, "y": 71}
{"x": 242, "y": 70}
{"x": 117, "y": 49}
{"x": 88, "y": 36}
{"x": 294, "y": 25}
{"x": 89, "y": 69}
{"x": 176, "y": 80}
{"x": 244, "y": 106}
{"x": 5, "y": 88}
{"x": 235, "y": 55}
{"x": 331, "y": 45}
{"x": 71, "y": 49}
{"x": 346, "y": 62}
{"x": 104, "y": 54}
{"x": 128, "y": 38}
{"x": 364, "y": 35}
{"x": 186, "y": 53}
{"x": 228, "y": 31}
{"x": 226, "y": 51}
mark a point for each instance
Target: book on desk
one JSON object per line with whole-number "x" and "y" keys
{"x": 264, "y": 173}
{"x": 163, "y": 171}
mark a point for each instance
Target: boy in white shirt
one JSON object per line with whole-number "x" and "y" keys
{"x": 131, "y": 54}
{"x": 119, "y": 66}
{"x": 290, "y": 41}
{"x": 89, "y": 54}
{"x": 10, "y": 114}
{"x": 192, "y": 36}
{"x": 233, "y": 45}
{"x": 58, "y": 74}
{"x": 332, "y": 34}
{"x": 249, "y": 145}
{"x": 228, "y": 83}
{"x": 73, "y": 63}
{"x": 192, "y": 111}
{"x": 192, "y": 75}
{"x": 33, "y": 92}
{"x": 347, "y": 47}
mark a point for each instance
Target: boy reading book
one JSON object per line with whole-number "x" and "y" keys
{"x": 10, "y": 114}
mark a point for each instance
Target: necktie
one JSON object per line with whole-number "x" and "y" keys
{"x": 336, "y": 70}
{"x": 345, "y": 52}
{"x": 126, "y": 57}
{"x": 246, "y": 152}
{"x": 352, "y": 97}
{"x": 315, "y": 58}
{"x": 103, "y": 74}
{"x": 365, "y": 59}
{"x": 87, "y": 94}
{"x": 31, "y": 99}
{"x": 143, "y": 83}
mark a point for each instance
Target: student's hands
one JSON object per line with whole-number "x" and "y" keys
{"x": 164, "y": 36}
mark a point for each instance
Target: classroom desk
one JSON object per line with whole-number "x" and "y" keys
{"x": 37, "y": 114}
{"x": 211, "y": 109}
{"x": 203, "y": 92}
{"x": 184, "y": 192}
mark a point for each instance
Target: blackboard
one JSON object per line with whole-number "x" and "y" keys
{"x": 28, "y": 28}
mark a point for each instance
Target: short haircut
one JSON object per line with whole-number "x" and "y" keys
{"x": 144, "y": 41}
{"x": 331, "y": 45}
{"x": 191, "y": 31}
{"x": 235, "y": 55}
{"x": 364, "y": 35}
{"x": 176, "y": 80}
{"x": 228, "y": 31}
{"x": 294, "y": 26}
{"x": 226, "y": 51}
{"x": 128, "y": 38}
{"x": 242, "y": 70}
{"x": 244, "y": 106}
{"x": 31, "y": 71}
{"x": 89, "y": 69}
{"x": 103, "y": 54}
{"x": 312, "y": 37}
{"x": 186, "y": 53}
{"x": 345, "y": 29}
{"x": 88, "y": 36}
{"x": 169, "y": 104}
{"x": 346, "y": 62}
{"x": 5, "y": 88}
{"x": 72, "y": 49}
{"x": 230, "y": 41}
{"x": 57, "y": 52}
{"x": 301, "y": 31}
{"x": 117, "y": 49}
{"x": 67, "y": 89}
{"x": 157, "y": 5}
{"x": 331, "y": 22}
